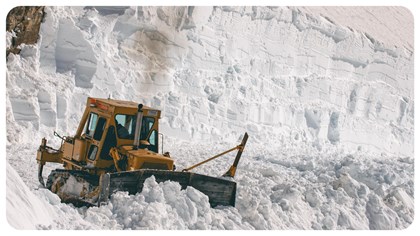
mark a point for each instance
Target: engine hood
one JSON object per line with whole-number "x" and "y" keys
{"x": 146, "y": 159}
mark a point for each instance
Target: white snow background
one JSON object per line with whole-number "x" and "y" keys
{"x": 329, "y": 110}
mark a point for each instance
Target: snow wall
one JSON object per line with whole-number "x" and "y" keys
{"x": 274, "y": 72}
{"x": 297, "y": 82}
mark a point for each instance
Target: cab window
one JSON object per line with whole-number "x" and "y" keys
{"x": 125, "y": 126}
{"x": 153, "y": 141}
{"x": 100, "y": 127}
{"x": 90, "y": 128}
{"x": 146, "y": 126}
{"x": 95, "y": 126}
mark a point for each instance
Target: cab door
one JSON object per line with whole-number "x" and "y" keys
{"x": 86, "y": 148}
{"x": 149, "y": 133}
{"x": 94, "y": 133}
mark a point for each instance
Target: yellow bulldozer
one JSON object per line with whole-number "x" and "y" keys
{"x": 116, "y": 148}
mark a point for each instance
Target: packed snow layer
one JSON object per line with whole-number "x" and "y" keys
{"x": 329, "y": 110}
{"x": 394, "y": 26}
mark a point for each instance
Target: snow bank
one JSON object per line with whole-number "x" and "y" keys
{"x": 329, "y": 110}
{"x": 28, "y": 208}
{"x": 24, "y": 210}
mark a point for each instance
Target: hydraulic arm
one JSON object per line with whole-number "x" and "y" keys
{"x": 232, "y": 170}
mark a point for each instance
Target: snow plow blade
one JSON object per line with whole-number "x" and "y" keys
{"x": 219, "y": 191}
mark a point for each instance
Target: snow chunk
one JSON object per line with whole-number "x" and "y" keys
{"x": 353, "y": 188}
{"x": 380, "y": 216}
{"x": 159, "y": 206}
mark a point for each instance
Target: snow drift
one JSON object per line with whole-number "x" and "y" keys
{"x": 24, "y": 209}
{"x": 329, "y": 110}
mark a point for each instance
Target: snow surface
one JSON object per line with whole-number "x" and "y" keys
{"x": 329, "y": 110}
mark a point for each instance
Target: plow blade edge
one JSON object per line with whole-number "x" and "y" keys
{"x": 219, "y": 191}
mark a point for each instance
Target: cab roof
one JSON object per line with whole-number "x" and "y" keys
{"x": 119, "y": 103}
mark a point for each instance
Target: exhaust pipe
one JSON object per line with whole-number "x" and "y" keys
{"x": 138, "y": 127}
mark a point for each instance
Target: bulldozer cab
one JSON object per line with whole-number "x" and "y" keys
{"x": 108, "y": 123}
